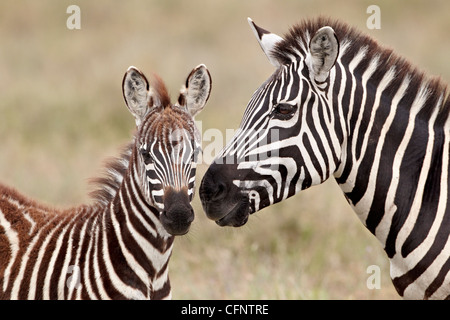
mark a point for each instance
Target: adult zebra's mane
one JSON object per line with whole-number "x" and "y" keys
{"x": 297, "y": 42}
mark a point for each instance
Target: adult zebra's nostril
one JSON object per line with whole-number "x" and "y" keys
{"x": 214, "y": 187}
{"x": 220, "y": 191}
{"x": 213, "y": 192}
{"x": 221, "y": 197}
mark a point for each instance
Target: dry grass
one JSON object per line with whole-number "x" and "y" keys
{"x": 61, "y": 113}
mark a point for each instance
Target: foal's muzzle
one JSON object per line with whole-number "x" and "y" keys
{"x": 178, "y": 214}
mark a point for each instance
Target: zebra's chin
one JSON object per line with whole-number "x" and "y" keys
{"x": 237, "y": 217}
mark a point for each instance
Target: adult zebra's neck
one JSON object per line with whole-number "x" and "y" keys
{"x": 395, "y": 131}
{"x": 136, "y": 246}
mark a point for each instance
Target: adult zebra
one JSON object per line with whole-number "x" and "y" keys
{"x": 118, "y": 247}
{"x": 339, "y": 104}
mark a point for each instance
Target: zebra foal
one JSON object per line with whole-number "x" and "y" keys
{"x": 118, "y": 247}
{"x": 339, "y": 104}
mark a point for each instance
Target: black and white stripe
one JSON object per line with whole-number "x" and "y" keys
{"x": 339, "y": 104}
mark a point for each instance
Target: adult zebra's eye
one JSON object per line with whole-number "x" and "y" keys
{"x": 284, "y": 111}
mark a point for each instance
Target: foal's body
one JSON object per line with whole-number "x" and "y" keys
{"x": 119, "y": 246}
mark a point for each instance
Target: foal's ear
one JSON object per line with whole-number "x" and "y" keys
{"x": 195, "y": 93}
{"x": 323, "y": 52}
{"x": 135, "y": 89}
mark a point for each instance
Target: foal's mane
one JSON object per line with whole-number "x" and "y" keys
{"x": 297, "y": 41}
{"x": 107, "y": 185}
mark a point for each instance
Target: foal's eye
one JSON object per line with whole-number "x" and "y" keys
{"x": 146, "y": 156}
{"x": 197, "y": 151}
{"x": 284, "y": 111}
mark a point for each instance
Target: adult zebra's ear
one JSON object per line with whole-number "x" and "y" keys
{"x": 195, "y": 93}
{"x": 135, "y": 89}
{"x": 323, "y": 52}
{"x": 266, "y": 40}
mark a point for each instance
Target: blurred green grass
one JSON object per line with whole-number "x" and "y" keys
{"x": 62, "y": 114}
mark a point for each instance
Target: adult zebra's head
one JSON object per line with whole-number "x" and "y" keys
{"x": 281, "y": 146}
{"x": 167, "y": 143}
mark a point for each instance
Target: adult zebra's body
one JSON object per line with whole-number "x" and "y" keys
{"x": 339, "y": 104}
{"x": 118, "y": 247}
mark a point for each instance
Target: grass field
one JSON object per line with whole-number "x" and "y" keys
{"x": 62, "y": 114}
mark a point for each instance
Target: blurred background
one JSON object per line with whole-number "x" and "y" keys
{"x": 62, "y": 114}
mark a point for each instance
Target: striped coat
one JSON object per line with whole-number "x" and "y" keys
{"x": 119, "y": 246}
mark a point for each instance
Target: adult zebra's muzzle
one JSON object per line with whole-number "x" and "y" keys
{"x": 178, "y": 214}
{"x": 223, "y": 201}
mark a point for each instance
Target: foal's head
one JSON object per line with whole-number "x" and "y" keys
{"x": 167, "y": 142}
